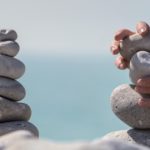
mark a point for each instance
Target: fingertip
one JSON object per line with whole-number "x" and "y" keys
{"x": 142, "y": 28}
{"x": 139, "y": 81}
{"x": 115, "y": 51}
{"x": 122, "y": 34}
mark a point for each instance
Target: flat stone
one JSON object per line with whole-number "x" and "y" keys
{"x": 8, "y": 34}
{"x": 9, "y": 48}
{"x": 13, "y": 111}
{"x": 113, "y": 144}
{"x": 133, "y": 44}
{"x": 139, "y": 66}
{"x": 10, "y": 138}
{"x": 11, "y": 67}
{"x": 9, "y": 127}
{"x": 11, "y": 89}
{"x": 132, "y": 136}
{"x": 124, "y": 103}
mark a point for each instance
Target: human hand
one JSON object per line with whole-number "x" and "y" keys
{"x": 142, "y": 28}
{"x": 143, "y": 87}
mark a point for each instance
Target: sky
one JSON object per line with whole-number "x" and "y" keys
{"x": 70, "y": 27}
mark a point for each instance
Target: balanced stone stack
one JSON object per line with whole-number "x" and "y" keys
{"x": 13, "y": 115}
{"x": 124, "y": 99}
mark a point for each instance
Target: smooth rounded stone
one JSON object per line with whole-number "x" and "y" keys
{"x": 10, "y": 138}
{"x": 116, "y": 144}
{"x": 9, "y": 127}
{"x": 134, "y": 43}
{"x": 11, "y": 67}
{"x": 9, "y": 48}
{"x": 132, "y": 136}
{"x": 124, "y": 103}
{"x": 12, "y": 111}
{"x": 11, "y": 89}
{"x": 113, "y": 144}
{"x": 8, "y": 34}
{"x": 139, "y": 66}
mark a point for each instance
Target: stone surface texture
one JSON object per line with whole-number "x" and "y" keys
{"x": 139, "y": 66}
{"x": 12, "y": 111}
{"x": 132, "y": 136}
{"x": 11, "y": 67}
{"x": 133, "y": 44}
{"x": 112, "y": 144}
{"x": 10, "y": 138}
{"x": 9, "y": 48}
{"x": 124, "y": 101}
{"x": 8, "y": 127}
{"x": 11, "y": 89}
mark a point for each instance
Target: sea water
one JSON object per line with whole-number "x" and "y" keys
{"x": 70, "y": 96}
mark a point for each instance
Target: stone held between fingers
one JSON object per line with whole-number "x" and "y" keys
{"x": 139, "y": 66}
{"x": 134, "y": 43}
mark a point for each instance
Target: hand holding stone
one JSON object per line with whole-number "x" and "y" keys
{"x": 133, "y": 44}
{"x": 142, "y": 29}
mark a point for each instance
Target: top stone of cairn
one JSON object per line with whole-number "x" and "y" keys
{"x": 134, "y": 43}
{"x": 8, "y": 46}
{"x": 8, "y": 34}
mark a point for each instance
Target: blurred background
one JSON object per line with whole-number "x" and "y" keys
{"x": 70, "y": 72}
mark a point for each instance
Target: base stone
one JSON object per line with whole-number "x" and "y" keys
{"x": 131, "y": 136}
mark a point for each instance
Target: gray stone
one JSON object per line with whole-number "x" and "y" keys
{"x": 134, "y": 43}
{"x": 10, "y": 138}
{"x": 113, "y": 144}
{"x": 8, "y": 34}
{"x": 13, "y": 111}
{"x": 139, "y": 66}
{"x": 9, "y": 48}
{"x": 8, "y": 127}
{"x": 11, "y": 89}
{"x": 11, "y": 67}
{"x": 117, "y": 144}
{"x": 124, "y": 102}
{"x": 132, "y": 136}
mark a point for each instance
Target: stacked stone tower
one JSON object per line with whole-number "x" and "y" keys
{"x": 125, "y": 99}
{"x": 13, "y": 114}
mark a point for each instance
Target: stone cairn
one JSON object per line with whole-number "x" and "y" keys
{"x": 13, "y": 114}
{"x": 124, "y": 98}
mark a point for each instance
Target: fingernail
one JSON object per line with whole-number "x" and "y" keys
{"x": 121, "y": 66}
{"x": 142, "y": 30}
{"x": 114, "y": 47}
{"x": 139, "y": 81}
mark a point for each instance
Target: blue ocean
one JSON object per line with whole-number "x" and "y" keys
{"x": 70, "y": 95}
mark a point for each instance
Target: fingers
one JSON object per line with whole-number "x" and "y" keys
{"x": 143, "y": 86}
{"x": 142, "y": 90}
{"x": 121, "y": 34}
{"x": 115, "y": 47}
{"x": 144, "y": 103}
{"x": 121, "y": 63}
{"x": 142, "y": 28}
{"x": 144, "y": 82}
